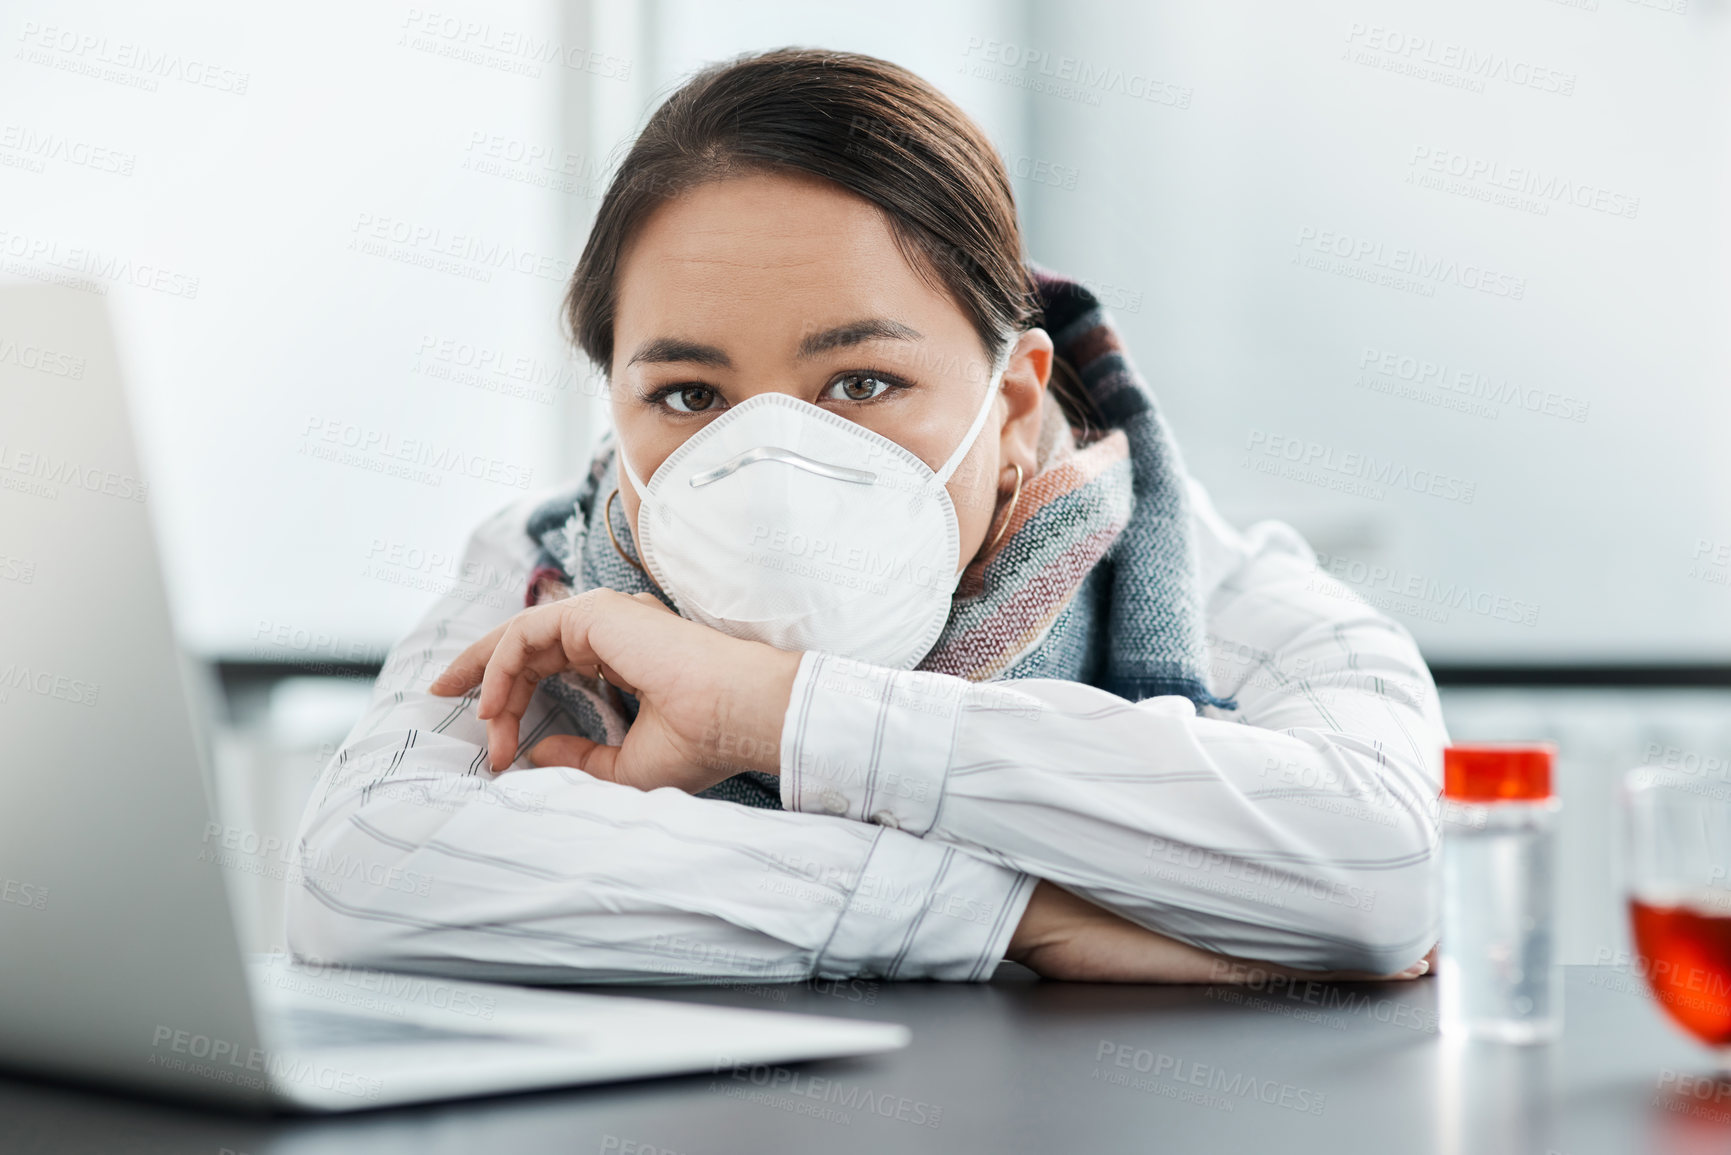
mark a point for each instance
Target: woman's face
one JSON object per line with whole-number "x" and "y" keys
{"x": 788, "y": 284}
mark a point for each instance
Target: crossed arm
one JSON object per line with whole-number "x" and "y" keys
{"x": 590, "y": 862}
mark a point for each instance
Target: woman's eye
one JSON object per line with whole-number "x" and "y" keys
{"x": 690, "y": 399}
{"x": 857, "y": 387}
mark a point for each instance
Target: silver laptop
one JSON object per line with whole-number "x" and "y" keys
{"x": 119, "y": 961}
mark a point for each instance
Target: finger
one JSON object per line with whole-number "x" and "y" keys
{"x": 536, "y": 643}
{"x": 1254, "y": 972}
{"x": 1421, "y": 967}
{"x": 467, "y": 667}
{"x": 522, "y": 690}
{"x": 573, "y": 750}
{"x": 650, "y": 599}
{"x": 561, "y": 750}
{"x": 501, "y": 742}
{"x": 504, "y": 727}
{"x": 602, "y": 762}
{"x": 537, "y": 639}
{"x": 616, "y": 680}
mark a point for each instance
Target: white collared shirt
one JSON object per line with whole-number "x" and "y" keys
{"x": 920, "y": 808}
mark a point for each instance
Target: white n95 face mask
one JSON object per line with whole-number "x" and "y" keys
{"x": 785, "y": 523}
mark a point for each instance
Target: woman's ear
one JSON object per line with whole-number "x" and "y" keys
{"x": 1025, "y": 380}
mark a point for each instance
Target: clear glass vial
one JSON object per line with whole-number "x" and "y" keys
{"x": 1498, "y": 973}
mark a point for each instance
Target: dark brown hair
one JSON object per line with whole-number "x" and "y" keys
{"x": 870, "y": 126}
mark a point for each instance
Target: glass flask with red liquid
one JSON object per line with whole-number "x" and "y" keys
{"x": 1677, "y": 848}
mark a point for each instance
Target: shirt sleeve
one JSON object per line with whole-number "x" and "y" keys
{"x": 1299, "y": 829}
{"x": 414, "y": 856}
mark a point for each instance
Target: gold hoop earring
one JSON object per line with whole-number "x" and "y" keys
{"x": 1010, "y": 512}
{"x": 607, "y": 516}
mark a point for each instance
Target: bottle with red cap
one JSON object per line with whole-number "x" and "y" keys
{"x": 1498, "y": 974}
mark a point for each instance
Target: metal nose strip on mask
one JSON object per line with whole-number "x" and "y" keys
{"x": 787, "y": 457}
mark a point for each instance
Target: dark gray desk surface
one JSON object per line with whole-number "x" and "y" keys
{"x": 1023, "y": 1066}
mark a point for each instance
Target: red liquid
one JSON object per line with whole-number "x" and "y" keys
{"x": 1687, "y": 957}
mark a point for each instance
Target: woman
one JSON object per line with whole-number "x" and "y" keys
{"x": 887, "y": 636}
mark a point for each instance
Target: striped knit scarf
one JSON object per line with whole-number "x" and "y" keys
{"x": 1094, "y": 579}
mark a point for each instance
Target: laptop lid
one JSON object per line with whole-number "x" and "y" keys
{"x": 118, "y": 955}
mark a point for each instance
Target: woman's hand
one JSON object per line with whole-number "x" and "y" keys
{"x": 1062, "y": 936}
{"x": 709, "y": 705}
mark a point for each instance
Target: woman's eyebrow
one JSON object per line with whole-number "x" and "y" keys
{"x": 855, "y": 332}
{"x": 663, "y": 350}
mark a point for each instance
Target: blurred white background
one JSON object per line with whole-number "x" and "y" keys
{"x": 1365, "y": 252}
{"x": 1443, "y": 285}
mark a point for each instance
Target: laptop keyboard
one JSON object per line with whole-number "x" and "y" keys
{"x": 306, "y": 1027}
